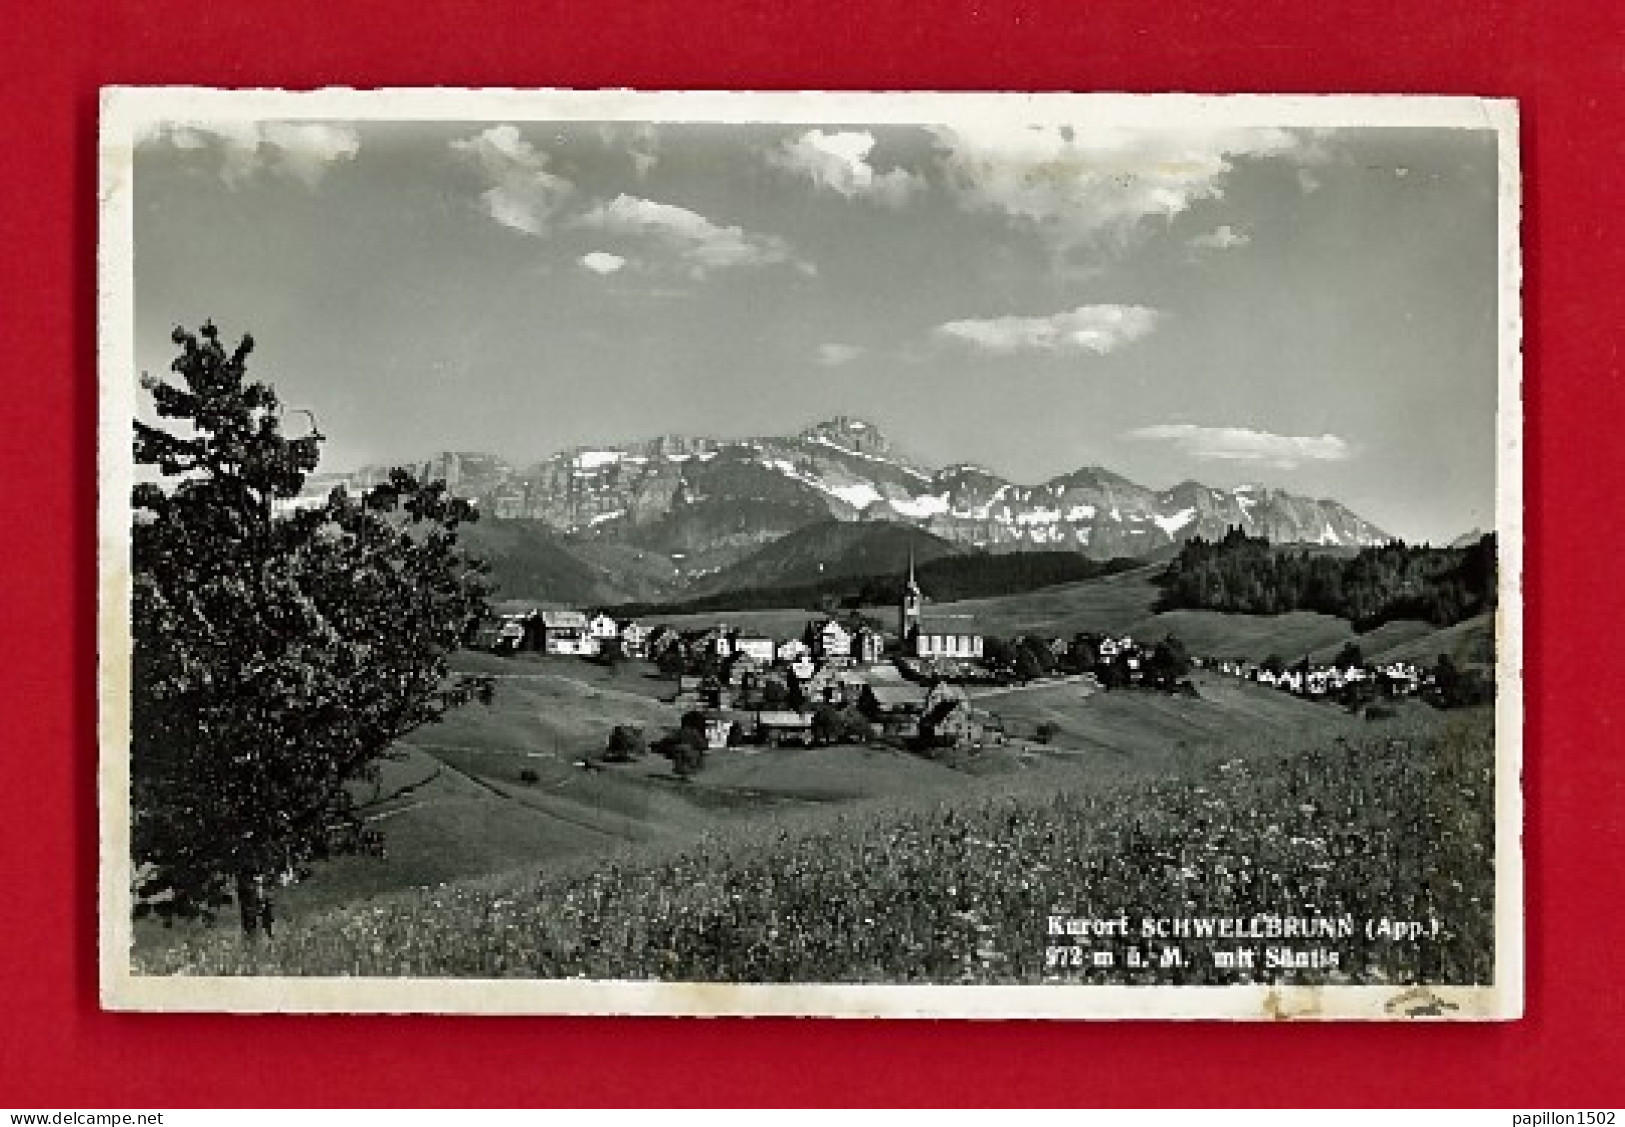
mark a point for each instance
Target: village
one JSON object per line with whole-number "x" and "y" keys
{"x": 847, "y": 679}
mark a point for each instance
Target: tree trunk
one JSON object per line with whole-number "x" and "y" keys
{"x": 253, "y": 904}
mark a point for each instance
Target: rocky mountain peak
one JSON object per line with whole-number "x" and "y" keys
{"x": 718, "y": 495}
{"x": 849, "y": 433}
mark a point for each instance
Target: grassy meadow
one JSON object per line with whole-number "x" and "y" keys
{"x": 1395, "y": 822}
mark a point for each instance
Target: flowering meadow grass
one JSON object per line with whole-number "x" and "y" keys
{"x": 1395, "y": 824}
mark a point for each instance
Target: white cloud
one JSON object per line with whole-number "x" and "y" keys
{"x": 1222, "y": 237}
{"x": 701, "y": 245}
{"x": 522, "y": 193}
{"x": 1097, "y": 329}
{"x": 304, "y": 151}
{"x": 637, "y": 141}
{"x": 643, "y": 151}
{"x": 833, "y": 354}
{"x": 1239, "y": 444}
{"x": 602, "y": 262}
{"x": 840, "y": 162}
{"x": 1081, "y": 187}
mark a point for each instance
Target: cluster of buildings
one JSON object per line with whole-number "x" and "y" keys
{"x": 751, "y": 687}
{"x": 1392, "y": 678}
{"x": 570, "y": 633}
{"x": 582, "y": 634}
{"x": 745, "y": 702}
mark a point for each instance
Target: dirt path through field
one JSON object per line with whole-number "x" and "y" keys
{"x": 1087, "y": 679}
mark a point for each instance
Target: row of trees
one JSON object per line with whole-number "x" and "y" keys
{"x": 1249, "y": 575}
{"x": 1030, "y": 657}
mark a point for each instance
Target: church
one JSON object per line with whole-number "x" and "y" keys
{"x": 918, "y": 641}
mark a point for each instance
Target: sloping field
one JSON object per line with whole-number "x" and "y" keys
{"x": 636, "y": 678}
{"x": 450, "y": 828}
{"x": 495, "y": 788}
{"x": 562, "y": 707}
{"x": 1379, "y": 642}
{"x": 953, "y": 891}
{"x": 828, "y": 773}
{"x": 1115, "y": 603}
{"x": 1469, "y": 643}
{"x": 1290, "y": 636}
{"x": 1139, "y": 732}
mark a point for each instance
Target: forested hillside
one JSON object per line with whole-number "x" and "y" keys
{"x": 1248, "y": 575}
{"x": 946, "y": 579}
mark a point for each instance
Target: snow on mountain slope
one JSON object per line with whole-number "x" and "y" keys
{"x": 695, "y": 494}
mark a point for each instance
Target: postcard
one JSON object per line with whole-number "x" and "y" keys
{"x": 830, "y": 554}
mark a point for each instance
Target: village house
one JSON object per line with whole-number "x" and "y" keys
{"x": 792, "y": 650}
{"x": 704, "y": 692}
{"x": 634, "y": 639}
{"x": 603, "y": 629}
{"x": 756, "y": 647}
{"x": 833, "y": 684}
{"x": 868, "y": 646}
{"x": 693, "y": 644}
{"x": 507, "y": 633}
{"x": 742, "y": 671}
{"x": 718, "y": 727}
{"x": 566, "y": 632}
{"x": 716, "y": 643}
{"x": 716, "y": 693}
{"x": 894, "y": 709}
{"x": 776, "y": 728}
{"x": 1402, "y": 677}
{"x": 1109, "y": 647}
{"x": 821, "y": 686}
{"x": 950, "y": 721}
{"x": 512, "y": 633}
{"x": 745, "y": 727}
{"x": 659, "y": 639}
{"x": 829, "y": 640}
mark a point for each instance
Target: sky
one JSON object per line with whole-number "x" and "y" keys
{"x": 1313, "y": 310}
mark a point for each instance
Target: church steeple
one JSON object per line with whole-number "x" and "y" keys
{"x": 909, "y": 610}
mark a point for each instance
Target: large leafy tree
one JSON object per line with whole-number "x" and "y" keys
{"x": 280, "y": 649}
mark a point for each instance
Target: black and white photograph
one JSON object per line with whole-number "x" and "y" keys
{"x": 863, "y": 555}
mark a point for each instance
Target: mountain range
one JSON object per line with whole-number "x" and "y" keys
{"x": 670, "y": 511}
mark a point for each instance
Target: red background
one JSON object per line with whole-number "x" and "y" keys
{"x": 1564, "y": 61}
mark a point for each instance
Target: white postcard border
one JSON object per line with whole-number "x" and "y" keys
{"x": 128, "y": 113}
